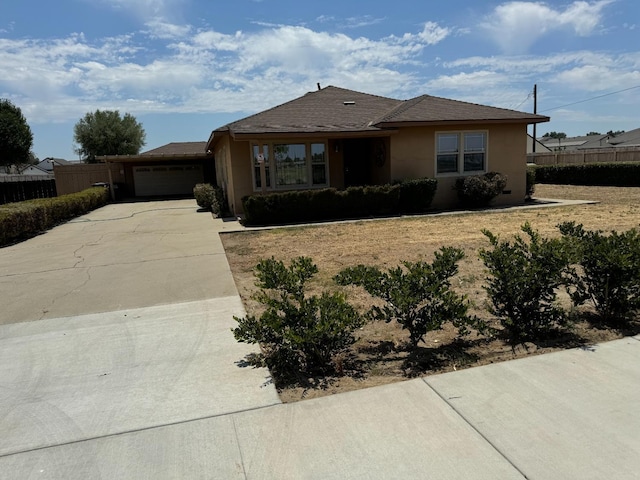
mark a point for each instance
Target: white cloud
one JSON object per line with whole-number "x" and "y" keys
{"x": 160, "y": 29}
{"x": 594, "y": 78}
{"x": 515, "y": 26}
{"x": 171, "y": 68}
{"x": 432, "y": 33}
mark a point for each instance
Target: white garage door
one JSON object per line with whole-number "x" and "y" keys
{"x": 155, "y": 180}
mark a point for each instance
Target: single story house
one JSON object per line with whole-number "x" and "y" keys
{"x": 335, "y": 137}
{"x": 172, "y": 169}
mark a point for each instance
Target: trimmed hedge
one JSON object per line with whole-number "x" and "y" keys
{"x": 479, "y": 190}
{"x": 413, "y": 196}
{"x": 600, "y": 174}
{"x": 26, "y": 219}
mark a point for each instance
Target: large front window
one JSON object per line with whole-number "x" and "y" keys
{"x": 461, "y": 152}
{"x": 294, "y": 165}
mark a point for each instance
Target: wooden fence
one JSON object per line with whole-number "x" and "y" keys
{"x": 75, "y": 178}
{"x": 604, "y": 155}
{"x": 17, "y": 188}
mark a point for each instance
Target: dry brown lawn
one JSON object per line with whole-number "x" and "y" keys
{"x": 380, "y": 355}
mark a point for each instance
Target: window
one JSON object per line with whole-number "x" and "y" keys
{"x": 258, "y": 157}
{"x": 459, "y": 153}
{"x": 294, "y": 165}
{"x": 318, "y": 164}
{"x": 291, "y": 164}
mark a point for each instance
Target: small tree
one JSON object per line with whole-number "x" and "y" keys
{"x": 418, "y": 296}
{"x": 15, "y": 135}
{"x": 105, "y": 132}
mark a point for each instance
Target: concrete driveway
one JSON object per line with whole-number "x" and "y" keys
{"x": 119, "y": 321}
{"x": 117, "y": 257}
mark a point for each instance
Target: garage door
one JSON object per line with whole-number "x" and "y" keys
{"x": 157, "y": 180}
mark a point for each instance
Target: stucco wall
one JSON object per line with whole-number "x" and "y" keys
{"x": 233, "y": 170}
{"x": 413, "y": 152}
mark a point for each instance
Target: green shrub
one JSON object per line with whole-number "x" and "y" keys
{"x": 522, "y": 281}
{"x": 602, "y": 174}
{"x": 205, "y": 195}
{"x": 531, "y": 181}
{"x": 25, "y": 219}
{"x": 416, "y": 195}
{"x": 297, "y": 332}
{"x": 479, "y": 190}
{"x": 418, "y": 296}
{"x": 610, "y": 271}
{"x": 332, "y": 204}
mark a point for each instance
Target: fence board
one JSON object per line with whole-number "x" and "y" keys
{"x": 18, "y": 188}
{"x": 605, "y": 155}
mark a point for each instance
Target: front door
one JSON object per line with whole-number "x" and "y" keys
{"x": 357, "y": 162}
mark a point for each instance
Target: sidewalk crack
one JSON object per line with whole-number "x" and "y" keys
{"x": 482, "y": 435}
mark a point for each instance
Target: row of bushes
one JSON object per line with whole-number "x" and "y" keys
{"x": 26, "y": 219}
{"x": 302, "y": 333}
{"x": 412, "y": 196}
{"x": 602, "y": 174}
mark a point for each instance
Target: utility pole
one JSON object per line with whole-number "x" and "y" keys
{"x": 535, "y": 111}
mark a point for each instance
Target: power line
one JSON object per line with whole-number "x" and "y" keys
{"x": 592, "y": 98}
{"x": 518, "y": 106}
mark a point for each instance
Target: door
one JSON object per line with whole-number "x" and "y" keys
{"x": 357, "y": 162}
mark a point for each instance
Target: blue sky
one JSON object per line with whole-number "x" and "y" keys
{"x": 186, "y": 67}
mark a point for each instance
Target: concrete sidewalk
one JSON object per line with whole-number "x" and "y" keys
{"x": 570, "y": 415}
{"x": 118, "y": 362}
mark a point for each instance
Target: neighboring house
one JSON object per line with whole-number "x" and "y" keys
{"x": 571, "y": 143}
{"x": 35, "y": 170}
{"x": 624, "y": 140}
{"x": 338, "y": 138}
{"x": 48, "y": 163}
{"x": 630, "y": 139}
{"x": 172, "y": 169}
{"x": 23, "y": 169}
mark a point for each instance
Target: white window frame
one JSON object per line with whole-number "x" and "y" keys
{"x": 273, "y": 168}
{"x": 461, "y": 152}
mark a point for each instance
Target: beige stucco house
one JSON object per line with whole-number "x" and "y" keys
{"x": 335, "y": 137}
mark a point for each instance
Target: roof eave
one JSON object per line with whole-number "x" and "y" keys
{"x": 315, "y": 134}
{"x": 151, "y": 158}
{"x": 423, "y": 123}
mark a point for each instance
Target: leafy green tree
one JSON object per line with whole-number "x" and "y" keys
{"x": 617, "y": 132}
{"x": 15, "y": 135}
{"x": 593, "y": 133}
{"x": 555, "y": 135}
{"x": 105, "y": 132}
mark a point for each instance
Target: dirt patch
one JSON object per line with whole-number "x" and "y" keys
{"x": 380, "y": 355}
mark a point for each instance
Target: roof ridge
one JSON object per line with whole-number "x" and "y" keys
{"x": 403, "y": 107}
{"x": 313, "y": 92}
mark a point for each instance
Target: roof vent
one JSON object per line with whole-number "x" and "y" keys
{"x": 349, "y": 102}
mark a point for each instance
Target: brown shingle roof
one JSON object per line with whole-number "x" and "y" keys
{"x": 338, "y": 110}
{"x": 330, "y": 109}
{"x": 178, "y": 148}
{"x": 429, "y": 109}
